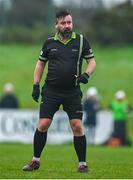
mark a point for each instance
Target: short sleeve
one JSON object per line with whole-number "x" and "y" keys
{"x": 44, "y": 52}
{"x": 87, "y": 52}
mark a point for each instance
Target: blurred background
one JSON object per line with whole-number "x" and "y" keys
{"x": 107, "y": 24}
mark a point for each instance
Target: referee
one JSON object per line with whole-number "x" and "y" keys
{"x": 64, "y": 53}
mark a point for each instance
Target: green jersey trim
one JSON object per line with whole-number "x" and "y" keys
{"x": 57, "y": 38}
{"x": 80, "y": 52}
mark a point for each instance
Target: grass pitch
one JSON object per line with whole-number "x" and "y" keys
{"x": 60, "y": 162}
{"x": 113, "y": 72}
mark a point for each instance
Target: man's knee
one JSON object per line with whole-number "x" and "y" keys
{"x": 44, "y": 124}
{"x": 77, "y": 127}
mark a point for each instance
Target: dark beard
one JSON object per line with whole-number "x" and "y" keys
{"x": 66, "y": 34}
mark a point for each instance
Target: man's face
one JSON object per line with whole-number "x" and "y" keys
{"x": 64, "y": 24}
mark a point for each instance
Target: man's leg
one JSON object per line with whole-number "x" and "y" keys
{"x": 79, "y": 143}
{"x": 48, "y": 107}
{"x": 73, "y": 107}
{"x": 40, "y": 138}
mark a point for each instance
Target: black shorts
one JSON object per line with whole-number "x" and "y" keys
{"x": 52, "y": 98}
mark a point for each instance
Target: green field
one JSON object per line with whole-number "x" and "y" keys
{"x": 60, "y": 162}
{"x": 113, "y": 72}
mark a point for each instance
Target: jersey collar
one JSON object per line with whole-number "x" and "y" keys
{"x": 57, "y": 38}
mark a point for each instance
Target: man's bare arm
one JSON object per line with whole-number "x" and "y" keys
{"x": 91, "y": 65}
{"x": 39, "y": 71}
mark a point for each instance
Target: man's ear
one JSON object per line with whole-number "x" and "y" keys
{"x": 56, "y": 25}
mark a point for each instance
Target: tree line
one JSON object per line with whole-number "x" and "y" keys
{"x": 30, "y": 21}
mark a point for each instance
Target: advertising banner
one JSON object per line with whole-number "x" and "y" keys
{"x": 20, "y": 125}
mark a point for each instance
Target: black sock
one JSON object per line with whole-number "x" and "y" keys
{"x": 39, "y": 142}
{"x": 80, "y": 147}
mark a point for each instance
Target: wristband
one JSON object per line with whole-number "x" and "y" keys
{"x": 88, "y": 74}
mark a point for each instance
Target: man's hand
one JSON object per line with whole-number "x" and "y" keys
{"x": 36, "y": 92}
{"x": 83, "y": 78}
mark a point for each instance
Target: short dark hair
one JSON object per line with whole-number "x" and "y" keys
{"x": 62, "y": 13}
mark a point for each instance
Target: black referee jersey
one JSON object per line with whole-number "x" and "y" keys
{"x": 63, "y": 60}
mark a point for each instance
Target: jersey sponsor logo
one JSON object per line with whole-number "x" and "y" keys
{"x": 54, "y": 49}
{"x": 75, "y": 50}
